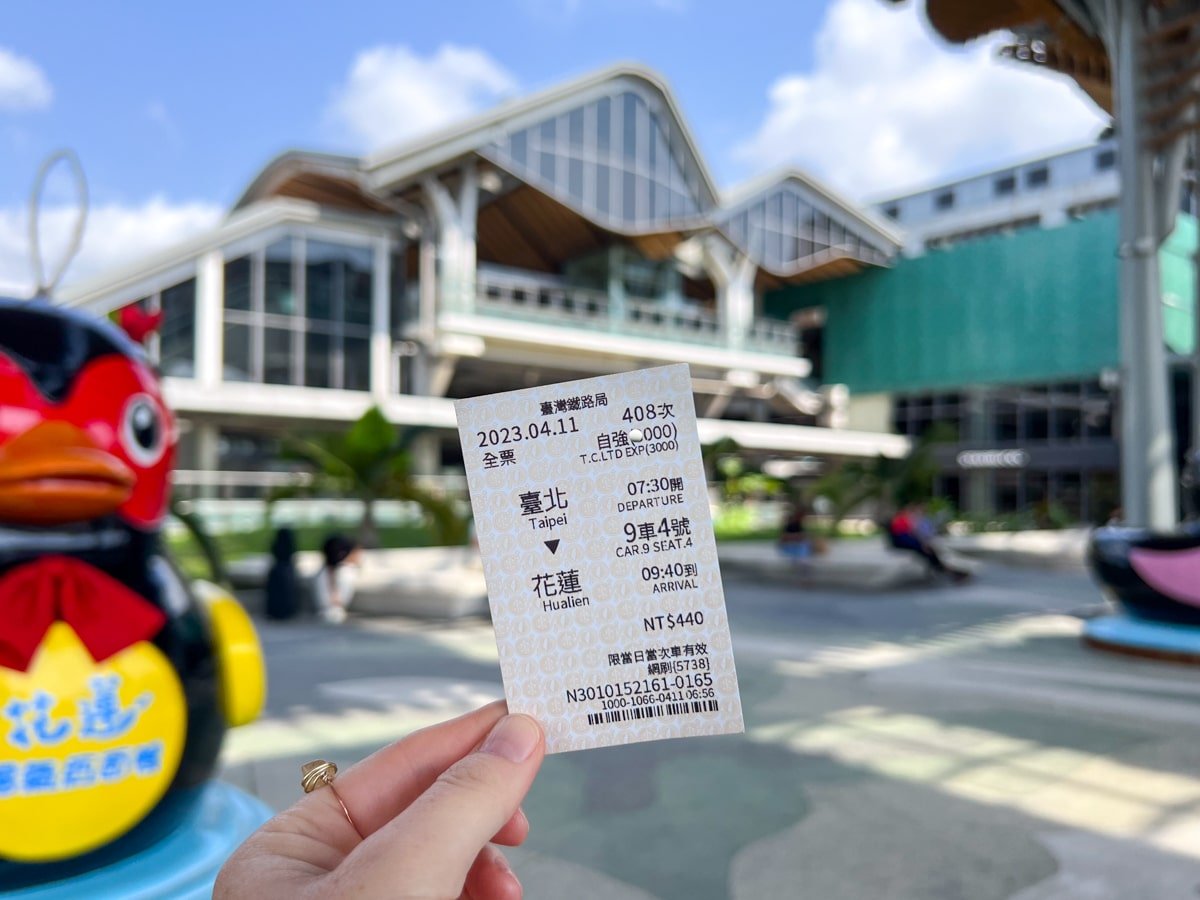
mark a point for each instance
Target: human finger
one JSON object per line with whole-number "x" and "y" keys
{"x": 513, "y": 832}
{"x": 436, "y": 840}
{"x": 379, "y": 787}
{"x": 491, "y": 878}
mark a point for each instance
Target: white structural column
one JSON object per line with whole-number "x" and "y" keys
{"x": 381, "y": 322}
{"x": 207, "y": 441}
{"x": 455, "y": 217}
{"x": 427, "y": 289}
{"x": 1194, "y": 448}
{"x": 210, "y": 304}
{"x": 616, "y": 288}
{"x": 733, "y": 274}
{"x": 422, "y": 361}
{"x": 1149, "y": 198}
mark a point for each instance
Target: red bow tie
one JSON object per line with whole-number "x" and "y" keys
{"x": 107, "y": 616}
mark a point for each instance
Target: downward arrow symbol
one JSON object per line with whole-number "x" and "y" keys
{"x": 553, "y": 545}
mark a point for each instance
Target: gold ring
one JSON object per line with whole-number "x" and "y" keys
{"x": 319, "y": 773}
{"x": 316, "y": 773}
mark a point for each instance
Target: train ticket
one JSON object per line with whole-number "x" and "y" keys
{"x": 592, "y": 514}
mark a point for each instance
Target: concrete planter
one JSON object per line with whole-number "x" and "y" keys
{"x": 422, "y": 582}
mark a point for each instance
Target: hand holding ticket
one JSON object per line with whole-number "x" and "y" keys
{"x": 591, "y": 509}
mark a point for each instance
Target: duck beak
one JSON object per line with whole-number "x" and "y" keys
{"x": 54, "y": 474}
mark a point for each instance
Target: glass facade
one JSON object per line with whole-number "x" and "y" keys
{"x": 177, "y": 335}
{"x": 1067, "y": 459}
{"x": 1069, "y": 412}
{"x": 173, "y": 347}
{"x": 784, "y": 231}
{"x": 298, "y": 312}
{"x": 619, "y": 160}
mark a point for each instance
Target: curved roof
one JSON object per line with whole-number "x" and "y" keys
{"x": 789, "y": 223}
{"x": 388, "y": 167}
{"x": 326, "y": 178}
{"x": 614, "y": 148}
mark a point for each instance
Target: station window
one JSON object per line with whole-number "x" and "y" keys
{"x": 237, "y": 283}
{"x": 299, "y": 312}
{"x": 1039, "y": 177}
{"x": 1066, "y": 405}
{"x": 1035, "y": 414}
{"x": 1097, "y": 408}
{"x": 173, "y": 346}
{"x": 1006, "y": 487}
{"x": 616, "y": 158}
{"x": 944, "y": 200}
{"x": 1004, "y": 420}
{"x": 177, "y": 334}
{"x": 1005, "y": 185}
{"x": 946, "y": 419}
{"x": 900, "y": 415}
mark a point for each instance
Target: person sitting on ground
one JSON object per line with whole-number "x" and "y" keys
{"x": 910, "y": 530}
{"x": 794, "y": 541}
{"x": 333, "y": 587}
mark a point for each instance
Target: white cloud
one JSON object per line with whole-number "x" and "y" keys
{"x": 888, "y": 106}
{"x": 156, "y": 112}
{"x": 23, "y": 85}
{"x": 392, "y": 93}
{"x": 116, "y": 233}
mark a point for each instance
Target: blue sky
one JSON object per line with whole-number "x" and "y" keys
{"x": 173, "y": 107}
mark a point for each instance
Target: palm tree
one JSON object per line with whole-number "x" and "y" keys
{"x": 371, "y": 461}
{"x": 205, "y": 542}
{"x": 892, "y": 482}
{"x": 738, "y": 477}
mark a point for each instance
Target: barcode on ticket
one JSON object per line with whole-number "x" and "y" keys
{"x": 652, "y": 712}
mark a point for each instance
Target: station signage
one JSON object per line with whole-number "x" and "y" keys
{"x": 992, "y": 459}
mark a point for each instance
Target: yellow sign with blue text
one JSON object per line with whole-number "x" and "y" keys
{"x": 87, "y": 748}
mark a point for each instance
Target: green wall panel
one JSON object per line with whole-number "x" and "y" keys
{"x": 1179, "y": 286}
{"x": 1037, "y": 305}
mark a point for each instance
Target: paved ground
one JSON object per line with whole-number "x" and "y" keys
{"x": 938, "y": 742}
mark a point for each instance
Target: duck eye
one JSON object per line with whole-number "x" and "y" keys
{"x": 142, "y": 431}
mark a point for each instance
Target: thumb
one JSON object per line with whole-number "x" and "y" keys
{"x": 428, "y": 849}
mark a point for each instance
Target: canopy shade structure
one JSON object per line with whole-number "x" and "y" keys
{"x": 1069, "y": 36}
{"x": 1045, "y": 35}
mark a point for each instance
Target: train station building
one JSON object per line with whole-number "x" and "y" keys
{"x": 572, "y": 233}
{"x": 579, "y": 232}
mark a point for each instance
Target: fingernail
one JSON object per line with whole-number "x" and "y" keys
{"x": 513, "y": 738}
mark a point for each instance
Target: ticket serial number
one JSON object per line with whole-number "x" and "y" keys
{"x": 645, "y": 687}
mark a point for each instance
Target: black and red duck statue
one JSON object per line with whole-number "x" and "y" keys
{"x": 118, "y": 678}
{"x": 1155, "y": 578}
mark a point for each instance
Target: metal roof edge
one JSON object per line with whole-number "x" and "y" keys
{"x": 241, "y": 223}
{"x": 284, "y": 164}
{"x": 420, "y": 154}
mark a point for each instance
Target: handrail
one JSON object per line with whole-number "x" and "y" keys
{"x": 509, "y": 292}
{"x": 207, "y": 478}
